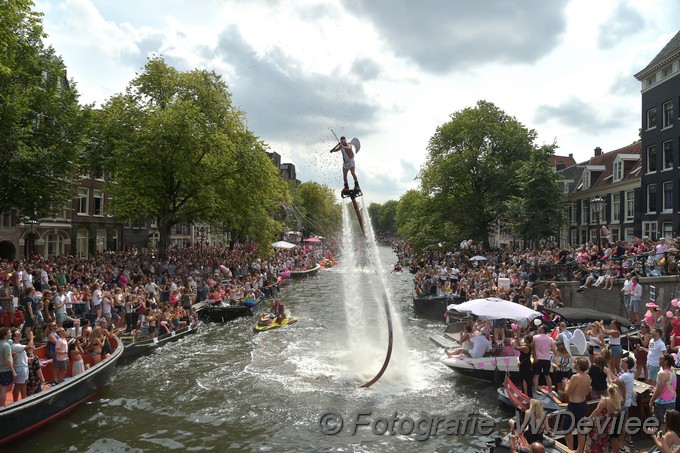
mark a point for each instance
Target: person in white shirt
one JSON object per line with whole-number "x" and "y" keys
{"x": 661, "y": 249}
{"x": 97, "y": 300}
{"x": 44, "y": 280}
{"x": 27, "y": 279}
{"x": 69, "y": 301}
{"x": 480, "y": 346}
{"x": 59, "y": 302}
{"x": 626, "y": 290}
{"x": 20, "y": 363}
{"x": 654, "y": 352}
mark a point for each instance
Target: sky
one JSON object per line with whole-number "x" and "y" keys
{"x": 388, "y": 72}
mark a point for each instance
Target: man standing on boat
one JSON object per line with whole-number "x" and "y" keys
{"x": 544, "y": 345}
{"x": 348, "y": 162}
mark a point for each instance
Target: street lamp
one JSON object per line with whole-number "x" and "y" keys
{"x": 31, "y": 226}
{"x": 598, "y": 209}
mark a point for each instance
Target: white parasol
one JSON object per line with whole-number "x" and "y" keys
{"x": 478, "y": 258}
{"x": 283, "y": 245}
{"x": 494, "y": 308}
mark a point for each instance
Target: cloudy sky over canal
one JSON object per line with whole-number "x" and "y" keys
{"x": 387, "y": 71}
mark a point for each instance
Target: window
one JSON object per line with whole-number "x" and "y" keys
{"x": 55, "y": 245}
{"x": 616, "y": 208}
{"x": 98, "y": 196}
{"x": 98, "y": 173}
{"x": 618, "y": 170}
{"x": 585, "y": 211}
{"x": 81, "y": 243}
{"x": 668, "y": 154}
{"x": 593, "y": 235}
{"x": 651, "y": 118}
{"x": 651, "y": 79}
{"x": 83, "y": 195}
{"x": 616, "y": 236}
{"x": 584, "y": 236}
{"x": 651, "y": 159}
{"x": 114, "y": 240}
{"x": 628, "y": 234}
{"x": 101, "y": 240}
{"x": 651, "y": 198}
{"x": 574, "y": 238}
{"x": 668, "y": 196}
{"x": 591, "y": 214}
{"x": 586, "y": 179}
{"x": 650, "y": 229}
{"x": 574, "y": 213}
{"x": 668, "y": 114}
{"x": 667, "y": 230}
{"x": 630, "y": 206}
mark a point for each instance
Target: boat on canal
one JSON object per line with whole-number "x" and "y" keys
{"x": 306, "y": 273}
{"x": 140, "y": 345}
{"x": 218, "y": 312}
{"x": 17, "y": 419}
{"x": 432, "y": 306}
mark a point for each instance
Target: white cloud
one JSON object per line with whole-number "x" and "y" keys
{"x": 389, "y": 72}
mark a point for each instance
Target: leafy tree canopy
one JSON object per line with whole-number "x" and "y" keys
{"x": 314, "y": 210}
{"x": 41, "y": 122}
{"x": 471, "y": 168}
{"x": 179, "y": 151}
{"x": 536, "y": 211}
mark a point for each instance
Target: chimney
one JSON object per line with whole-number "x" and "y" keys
{"x": 571, "y": 155}
{"x": 598, "y": 151}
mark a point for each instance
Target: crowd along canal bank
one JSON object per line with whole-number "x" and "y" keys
{"x": 225, "y": 388}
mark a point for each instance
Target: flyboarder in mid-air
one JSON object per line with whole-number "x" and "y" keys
{"x": 348, "y": 161}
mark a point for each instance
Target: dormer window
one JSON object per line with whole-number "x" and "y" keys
{"x": 618, "y": 170}
{"x": 591, "y": 175}
{"x": 622, "y": 163}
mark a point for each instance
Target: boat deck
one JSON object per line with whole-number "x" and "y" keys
{"x": 443, "y": 341}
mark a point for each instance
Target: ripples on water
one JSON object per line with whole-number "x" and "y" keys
{"x": 227, "y": 388}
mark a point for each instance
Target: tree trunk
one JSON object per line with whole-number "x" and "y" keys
{"x": 164, "y": 229}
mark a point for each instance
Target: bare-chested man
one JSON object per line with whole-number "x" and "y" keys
{"x": 577, "y": 389}
{"x": 347, "y": 162}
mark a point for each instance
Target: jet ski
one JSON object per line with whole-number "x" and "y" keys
{"x": 270, "y": 321}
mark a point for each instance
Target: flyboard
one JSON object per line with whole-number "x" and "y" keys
{"x": 353, "y": 194}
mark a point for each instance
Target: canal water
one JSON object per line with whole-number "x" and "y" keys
{"x": 227, "y": 388}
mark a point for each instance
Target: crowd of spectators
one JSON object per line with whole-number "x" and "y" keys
{"x": 472, "y": 272}
{"x": 136, "y": 290}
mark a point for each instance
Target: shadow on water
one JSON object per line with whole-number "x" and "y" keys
{"x": 227, "y": 388}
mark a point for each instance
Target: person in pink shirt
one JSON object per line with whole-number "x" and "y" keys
{"x": 583, "y": 257}
{"x": 543, "y": 345}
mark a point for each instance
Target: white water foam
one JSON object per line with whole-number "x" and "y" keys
{"x": 367, "y": 331}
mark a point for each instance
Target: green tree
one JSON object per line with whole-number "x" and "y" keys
{"x": 471, "y": 167}
{"x": 536, "y": 210}
{"x": 179, "y": 152}
{"x": 383, "y": 217}
{"x": 418, "y": 224}
{"x": 41, "y": 122}
{"x": 316, "y": 209}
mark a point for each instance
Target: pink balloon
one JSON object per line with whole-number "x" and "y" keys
{"x": 513, "y": 326}
{"x": 674, "y": 302}
{"x": 669, "y": 314}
